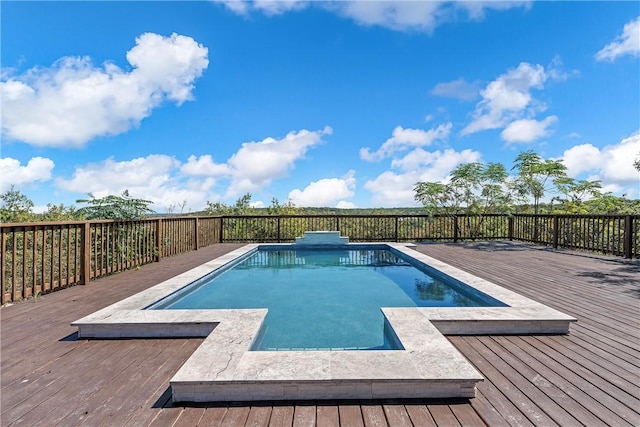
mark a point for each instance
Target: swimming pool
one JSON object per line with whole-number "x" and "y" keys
{"x": 224, "y": 367}
{"x": 325, "y": 298}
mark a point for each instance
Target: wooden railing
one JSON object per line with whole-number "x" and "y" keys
{"x": 42, "y": 257}
{"x": 45, "y": 256}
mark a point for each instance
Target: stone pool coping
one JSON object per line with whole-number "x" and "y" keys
{"x": 223, "y": 368}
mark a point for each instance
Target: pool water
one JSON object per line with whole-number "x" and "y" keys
{"x": 325, "y": 299}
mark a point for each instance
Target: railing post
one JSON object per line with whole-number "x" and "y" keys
{"x": 279, "y": 240}
{"x": 510, "y": 228}
{"x": 455, "y": 228}
{"x": 396, "y": 232}
{"x": 196, "y": 235}
{"x": 85, "y": 236}
{"x": 3, "y": 247}
{"x": 628, "y": 236}
{"x": 556, "y": 231}
{"x": 158, "y": 239}
{"x": 221, "y": 229}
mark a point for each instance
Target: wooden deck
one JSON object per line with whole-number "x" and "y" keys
{"x": 590, "y": 377}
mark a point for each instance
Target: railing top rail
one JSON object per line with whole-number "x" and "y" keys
{"x": 593, "y": 216}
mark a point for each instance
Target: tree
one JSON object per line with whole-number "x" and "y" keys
{"x": 277, "y": 208}
{"x": 61, "y": 213}
{"x": 535, "y": 176}
{"x": 474, "y": 188}
{"x": 242, "y": 206}
{"x": 115, "y": 207}
{"x": 575, "y": 192}
{"x": 15, "y": 207}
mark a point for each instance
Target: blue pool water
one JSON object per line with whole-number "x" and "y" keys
{"x": 322, "y": 299}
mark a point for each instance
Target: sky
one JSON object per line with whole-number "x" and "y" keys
{"x": 323, "y": 103}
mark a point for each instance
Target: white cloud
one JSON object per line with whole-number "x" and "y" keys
{"x": 397, "y": 15}
{"x": 268, "y": 7}
{"x": 459, "y": 89}
{"x": 326, "y": 192}
{"x": 508, "y": 98}
{"x": 74, "y": 101}
{"x": 204, "y": 166}
{"x": 628, "y": 43}
{"x": 612, "y": 164}
{"x": 112, "y": 177}
{"x": 527, "y": 130}
{"x": 256, "y": 164}
{"x": 396, "y": 189}
{"x": 580, "y": 158}
{"x": 403, "y": 139}
{"x": 37, "y": 169}
{"x": 343, "y": 204}
{"x": 417, "y": 15}
{"x": 155, "y": 178}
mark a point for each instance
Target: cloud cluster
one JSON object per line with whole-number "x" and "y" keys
{"x": 256, "y": 164}
{"x": 422, "y": 16}
{"x": 459, "y": 89}
{"x": 74, "y": 101}
{"x": 393, "y": 189}
{"x": 628, "y": 43}
{"x": 411, "y": 163}
{"x": 37, "y": 169}
{"x": 507, "y": 102}
{"x": 612, "y": 164}
{"x": 403, "y": 139}
{"x": 167, "y": 182}
{"x": 326, "y": 192}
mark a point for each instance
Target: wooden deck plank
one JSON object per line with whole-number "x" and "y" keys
{"x": 592, "y": 374}
{"x": 304, "y": 414}
{"x": 236, "y": 416}
{"x": 489, "y": 415}
{"x": 373, "y": 415}
{"x": 466, "y": 415}
{"x": 420, "y": 415}
{"x": 213, "y": 416}
{"x": 282, "y": 415}
{"x": 396, "y": 415}
{"x": 350, "y": 414}
{"x": 259, "y": 416}
{"x": 443, "y": 416}
{"x": 518, "y": 406}
{"x": 588, "y": 383}
{"x": 557, "y": 407}
{"x": 191, "y": 416}
{"x": 327, "y": 414}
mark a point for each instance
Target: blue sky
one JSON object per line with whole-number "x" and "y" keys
{"x": 346, "y": 103}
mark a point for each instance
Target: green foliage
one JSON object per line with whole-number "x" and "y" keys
{"x": 61, "y": 213}
{"x": 115, "y": 207}
{"x": 536, "y": 177}
{"x": 474, "y": 189}
{"x": 15, "y": 207}
{"x": 574, "y": 193}
{"x": 242, "y": 207}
